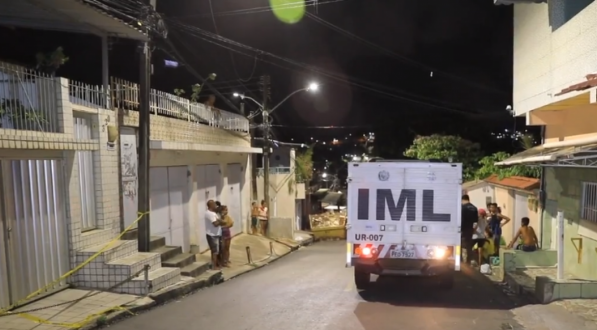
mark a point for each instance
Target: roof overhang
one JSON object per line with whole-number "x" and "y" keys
{"x": 75, "y": 16}
{"x": 581, "y": 155}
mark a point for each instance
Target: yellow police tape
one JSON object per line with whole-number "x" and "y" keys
{"x": 89, "y": 318}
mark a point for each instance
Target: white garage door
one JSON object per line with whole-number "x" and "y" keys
{"x": 234, "y": 198}
{"x": 168, "y": 204}
{"x": 521, "y": 209}
{"x": 209, "y": 186}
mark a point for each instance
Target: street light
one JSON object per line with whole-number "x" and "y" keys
{"x": 313, "y": 87}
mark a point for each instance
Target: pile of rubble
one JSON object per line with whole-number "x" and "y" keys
{"x": 328, "y": 219}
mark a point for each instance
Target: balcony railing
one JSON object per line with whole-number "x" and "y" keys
{"x": 28, "y": 99}
{"x": 125, "y": 95}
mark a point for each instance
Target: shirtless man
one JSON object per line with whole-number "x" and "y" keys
{"x": 530, "y": 242}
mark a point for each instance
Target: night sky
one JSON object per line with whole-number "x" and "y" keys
{"x": 401, "y": 67}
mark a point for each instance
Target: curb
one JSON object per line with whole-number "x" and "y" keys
{"x": 160, "y": 297}
{"x": 208, "y": 279}
{"x": 518, "y": 289}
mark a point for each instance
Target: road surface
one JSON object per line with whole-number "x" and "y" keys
{"x": 311, "y": 289}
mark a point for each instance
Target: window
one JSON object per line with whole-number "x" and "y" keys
{"x": 86, "y": 176}
{"x": 561, "y": 11}
{"x": 589, "y": 201}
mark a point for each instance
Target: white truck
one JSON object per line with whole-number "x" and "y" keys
{"x": 404, "y": 220}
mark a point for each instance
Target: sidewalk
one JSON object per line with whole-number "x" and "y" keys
{"x": 86, "y": 309}
{"x": 563, "y": 314}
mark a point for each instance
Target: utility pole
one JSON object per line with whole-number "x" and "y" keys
{"x": 143, "y": 226}
{"x": 266, "y": 90}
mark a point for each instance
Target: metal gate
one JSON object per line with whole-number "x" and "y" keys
{"x": 86, "y": 177}
{"x": 33, "y": 226}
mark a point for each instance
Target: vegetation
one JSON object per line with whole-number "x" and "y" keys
{"x": 489, "y": 168}
{"x": 50, "y": 62}
{"x": 447, "y": 148}
{"x": 303, "y": 168}
{"x": 456, "y": 149}
{"x": 21, "y": 116}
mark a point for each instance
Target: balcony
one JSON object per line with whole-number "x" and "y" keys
{"x": 28, "y": 99}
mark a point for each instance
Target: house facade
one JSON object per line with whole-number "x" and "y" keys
{"x": 555, "y": 86}
{"x": 68, "y": 161}
{"x": 286, "y": 194}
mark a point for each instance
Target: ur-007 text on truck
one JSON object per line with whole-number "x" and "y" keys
{"x": 404, "y": 220}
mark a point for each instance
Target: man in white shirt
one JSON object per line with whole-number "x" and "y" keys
{"x": 213, "y": 233}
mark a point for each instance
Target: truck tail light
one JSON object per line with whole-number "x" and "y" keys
{"x": 365, "y": 251}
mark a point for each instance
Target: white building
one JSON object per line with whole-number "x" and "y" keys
{"x": 555, "y": 86}
{"x": 62, "y": 156}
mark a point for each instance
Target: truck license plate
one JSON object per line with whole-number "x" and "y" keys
{"x": 403, "y": 254}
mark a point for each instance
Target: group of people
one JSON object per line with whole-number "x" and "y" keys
{"x": 481, "y": 232}
{"x": 259, "y": 219}
{"x": 218, "y": 224}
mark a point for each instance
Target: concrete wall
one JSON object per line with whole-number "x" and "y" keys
{"x": 505, "y": 199}
{"x": 282, "y": 200}
{"x": 547, "y": 61}
{"x": 563, "y": 186}
{"x": 479, "y": 195}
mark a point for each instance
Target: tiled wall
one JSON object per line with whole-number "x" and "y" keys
{"x": 106, "y": 171}
{"x": 547, "y": 61}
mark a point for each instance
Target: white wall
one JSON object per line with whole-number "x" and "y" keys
{"x": 479, "y": 195}
{"x": 546, "y": 62}
{"x": 191, "y": 159}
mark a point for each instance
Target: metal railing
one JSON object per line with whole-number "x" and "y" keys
{"x": 125, "y": 95}
{"x": 91, "y": 96}
{"x": 589, "y": 201}
{"x": 28, "y": 99}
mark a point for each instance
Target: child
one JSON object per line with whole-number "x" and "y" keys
{"x": 485, "y": 248}
{"x": 527, "y": 234}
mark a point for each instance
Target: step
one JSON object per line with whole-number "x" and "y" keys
{"x": 134, "y": 263}
{"x": 118, "y": 249}
{"x": 195, "y": 269}
{"x": 179, "y": 260}
{"x": 130, "y": 235}
{"x": 156, "y": 242}
{"x": 166, "y": 252}
{"x": 158, "y": 278}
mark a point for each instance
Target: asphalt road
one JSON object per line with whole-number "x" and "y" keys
{"x": 311, "y": 289}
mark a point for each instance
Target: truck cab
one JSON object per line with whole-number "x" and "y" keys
{"x": 404, "y": 220}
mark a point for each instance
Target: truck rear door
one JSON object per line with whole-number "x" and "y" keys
{"x": 369, "y": 221}
{"x": 438, "y": 187}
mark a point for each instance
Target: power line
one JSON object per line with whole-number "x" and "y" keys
{"x": 215, "y": 39}
{"x": 395, "y": 55}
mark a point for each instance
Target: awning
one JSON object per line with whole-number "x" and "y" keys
{"x": 74, "y": 16}
{"x": 571, "y": 156}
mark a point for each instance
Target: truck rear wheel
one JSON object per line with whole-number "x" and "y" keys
{"x": 446, "y": 281}
{"x": 362, "y": 279}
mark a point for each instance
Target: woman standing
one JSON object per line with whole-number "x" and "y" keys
{"x": 227, "y": 223}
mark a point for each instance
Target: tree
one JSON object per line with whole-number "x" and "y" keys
{"x": 51, "y": 62}
{"x": 303, "y": 168}
{"x": 489, "y": 168}
{"x": 447, "y": 148}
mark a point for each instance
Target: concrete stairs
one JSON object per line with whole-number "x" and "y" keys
{"x": 117, "y": 263}
{"x": 172, "y": 256}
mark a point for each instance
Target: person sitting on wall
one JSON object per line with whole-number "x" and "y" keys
{"x": 527, "y": 234}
